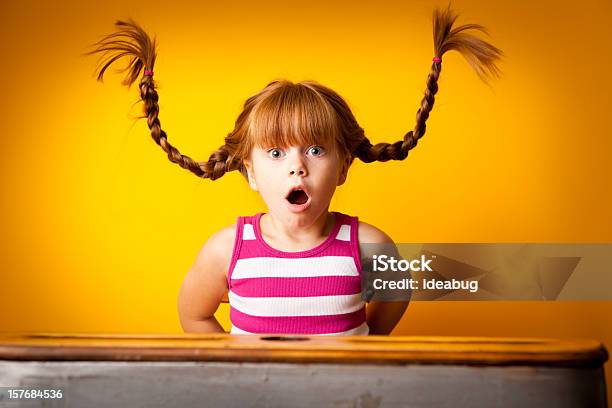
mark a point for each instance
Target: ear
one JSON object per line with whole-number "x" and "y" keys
{"x": 346, "y": 163}
{"x": 249, "y": 168}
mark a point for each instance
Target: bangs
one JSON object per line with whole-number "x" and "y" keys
{"x": 294, "y": 115}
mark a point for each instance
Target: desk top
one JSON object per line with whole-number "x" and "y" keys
{"x": 302, "y": 349}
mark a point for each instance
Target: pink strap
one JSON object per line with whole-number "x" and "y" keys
{"x": 148, "y": 72}
{"x": 437, "y": 59}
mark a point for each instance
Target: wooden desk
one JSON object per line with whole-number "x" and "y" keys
{"x": 374, "y": 371}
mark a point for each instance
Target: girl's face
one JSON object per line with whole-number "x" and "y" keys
{"x": 297, "y": 183}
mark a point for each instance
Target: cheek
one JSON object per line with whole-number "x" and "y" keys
{"x": 267, "y": 179}
{"x": 327, "y": 179}
{"x": 258, "y": 170}
{"x": 333, "y": 170}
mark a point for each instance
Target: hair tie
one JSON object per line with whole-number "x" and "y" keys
{"x": 148, "y": 72}
{"x": 436, "y": 59}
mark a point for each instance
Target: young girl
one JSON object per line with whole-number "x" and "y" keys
{"x": 295, "y": 269}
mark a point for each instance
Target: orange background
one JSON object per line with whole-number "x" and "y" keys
{"x": 99, "y": 228}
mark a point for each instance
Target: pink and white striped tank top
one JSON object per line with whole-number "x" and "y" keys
{"x": 313, "y": 292}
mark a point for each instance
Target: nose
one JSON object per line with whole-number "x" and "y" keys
{"x": 297, "y": 171}
{"x": 297, "y": 167}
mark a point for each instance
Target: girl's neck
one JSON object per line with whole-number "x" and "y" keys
{"x": 291, "y": 239}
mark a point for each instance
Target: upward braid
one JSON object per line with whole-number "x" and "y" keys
{"x": 481, "y": 56}
{"x": 131, "y": 41}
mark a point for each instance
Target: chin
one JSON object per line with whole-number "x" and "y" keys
{"x": 304, "y": 218}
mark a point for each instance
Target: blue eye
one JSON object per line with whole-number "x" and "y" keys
{"x": 316, "y": 151}
{"x": 276, "y": 153}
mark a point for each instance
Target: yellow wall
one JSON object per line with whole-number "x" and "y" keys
{"x": 99, "y": 228}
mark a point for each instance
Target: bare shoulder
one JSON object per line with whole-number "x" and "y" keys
{"x": 216, "y": 254}
{"x": 374, "y": 241}
{"x": 369, "y": 234}
{"x": 223, "y": 238}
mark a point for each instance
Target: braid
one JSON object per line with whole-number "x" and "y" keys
{"x": 130, "y": 40}
{"x": 481, "y": 56}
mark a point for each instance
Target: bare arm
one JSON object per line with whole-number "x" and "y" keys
{"x": 381, "y": 317}
{"x": 205, "y": 285}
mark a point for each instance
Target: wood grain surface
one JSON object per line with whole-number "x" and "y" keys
{"x": 303, "y": 349}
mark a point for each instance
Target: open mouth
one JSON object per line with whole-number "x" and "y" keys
{"x": 297, "y": 197}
